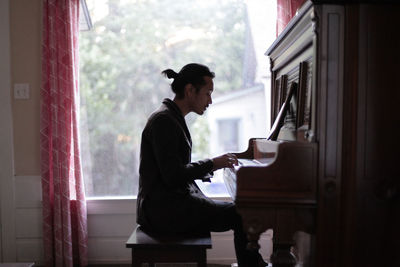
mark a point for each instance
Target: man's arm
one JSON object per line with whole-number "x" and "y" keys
{"x": 166, "y": 143}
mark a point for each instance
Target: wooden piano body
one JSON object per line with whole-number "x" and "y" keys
{"x": 277, "y": 191}
{"x": 332, "y": 170}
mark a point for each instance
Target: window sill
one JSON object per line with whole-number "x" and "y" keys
{"x": 122, "y": 204}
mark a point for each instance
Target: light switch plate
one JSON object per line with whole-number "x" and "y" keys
{"x": 21, "y": 91}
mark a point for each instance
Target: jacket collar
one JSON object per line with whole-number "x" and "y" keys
{"x": 171, "y": 105}
{"x": 176, "y": 111}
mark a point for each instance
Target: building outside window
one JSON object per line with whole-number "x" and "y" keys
{"x": 228, "y": 134}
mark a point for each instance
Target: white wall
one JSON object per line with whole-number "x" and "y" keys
{"x": 28, "y": 219}
{"x": 7, "y": 233}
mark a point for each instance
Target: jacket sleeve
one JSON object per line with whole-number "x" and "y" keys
{"x": 166, "y": 143}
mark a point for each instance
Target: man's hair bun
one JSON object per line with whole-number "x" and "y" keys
{"x": 170, "y": 74}
{"x": 192, "y": 73}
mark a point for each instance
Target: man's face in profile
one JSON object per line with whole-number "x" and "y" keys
{"x": 202, "y": 99}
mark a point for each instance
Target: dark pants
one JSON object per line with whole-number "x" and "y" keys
{"x": 224, "y": 218}
{"x": 221, "y": 216}
{"x": 201, "y": 214}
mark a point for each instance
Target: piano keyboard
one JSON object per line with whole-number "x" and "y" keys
{"x": 230, "y": 173}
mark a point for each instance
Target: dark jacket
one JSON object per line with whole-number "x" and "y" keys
{"x": 168, "y": 195}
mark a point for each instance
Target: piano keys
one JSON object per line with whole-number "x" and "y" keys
{"x": 230, "y": 177}
{"x": 274, "y": 170}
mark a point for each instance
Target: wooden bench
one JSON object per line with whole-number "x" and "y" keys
{"x": 153, "y": 248}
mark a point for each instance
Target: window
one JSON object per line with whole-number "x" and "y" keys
{"x": 122, "y": 56}
{"x": 228, "y": 134}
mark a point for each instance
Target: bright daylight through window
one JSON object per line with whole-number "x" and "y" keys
{"x": 122, "y": 56}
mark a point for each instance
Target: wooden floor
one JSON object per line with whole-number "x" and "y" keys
{"x": 161, "y": 265}
{"x": 157, "y": 265}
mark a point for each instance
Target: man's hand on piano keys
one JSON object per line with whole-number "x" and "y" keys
{"x": 224, "y": 161}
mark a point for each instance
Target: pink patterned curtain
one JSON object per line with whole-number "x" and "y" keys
{"x": 64, "y": 205}
{"x": 286, "y": 11}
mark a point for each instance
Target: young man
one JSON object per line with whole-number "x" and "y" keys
{"x": 169, "y": 200}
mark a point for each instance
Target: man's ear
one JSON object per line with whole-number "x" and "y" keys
{"x": 189, "y": 90}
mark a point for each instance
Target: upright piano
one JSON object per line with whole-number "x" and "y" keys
{"x": 275, "y": 184}
{"x": 327, "y": 168}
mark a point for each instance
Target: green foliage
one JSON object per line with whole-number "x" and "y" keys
{"x": 200, "y": 132}
{"x": 121, "y": 60}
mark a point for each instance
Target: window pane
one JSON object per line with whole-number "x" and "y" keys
{"x": 121, "y": 58}
{"x": 228, "y": 134}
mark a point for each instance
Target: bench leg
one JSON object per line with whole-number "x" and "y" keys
{"x": 202, "y": 264}
{"x": 202, "y": 259}
{"x": 135, "y": 261}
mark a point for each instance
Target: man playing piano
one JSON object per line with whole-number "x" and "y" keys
{"x": 169, "y": 200}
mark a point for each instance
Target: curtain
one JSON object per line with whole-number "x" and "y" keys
{"x": 286, "y": 11}
{"x": 64, "y": 207}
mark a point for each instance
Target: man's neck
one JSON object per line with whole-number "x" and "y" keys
{"x": 183, "y": 106}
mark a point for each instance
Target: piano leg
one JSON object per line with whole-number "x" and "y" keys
{"x": 282, "y": 256}
{"x": 303, "y": 248}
